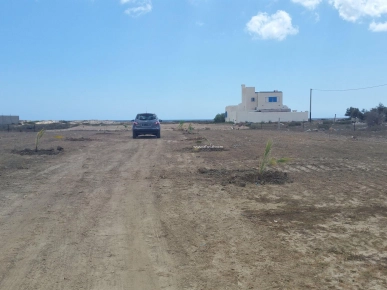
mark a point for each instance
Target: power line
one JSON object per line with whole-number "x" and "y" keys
{"x": 357, "y": 89}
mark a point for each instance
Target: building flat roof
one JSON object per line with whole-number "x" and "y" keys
{"x": 269, "y": 92}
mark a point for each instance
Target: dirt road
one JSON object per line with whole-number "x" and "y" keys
{"x": 109, "y": 212}
{"x": 84, "y": 219}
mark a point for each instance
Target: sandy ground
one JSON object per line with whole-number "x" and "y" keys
{"x": 112, "y": 212}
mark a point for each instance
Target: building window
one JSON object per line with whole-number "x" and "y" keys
{"x": 253, "y": 99}
{"x": 271, "y": 99}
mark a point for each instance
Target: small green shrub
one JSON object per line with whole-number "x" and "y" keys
{"x": 181, "y": 124}
{"x": 190, "y": 128}
{"x": 37, "y": 139}
{"x": 268, "y": 160}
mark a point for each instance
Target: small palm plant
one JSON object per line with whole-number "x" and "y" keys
{"x": 190, "y": 128}
{"x": 268, "y": 160}
{"x": 37, "y": 139}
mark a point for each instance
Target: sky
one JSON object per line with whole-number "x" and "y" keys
{"x": 187, "y": 59}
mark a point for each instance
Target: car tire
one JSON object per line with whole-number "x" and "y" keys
{"x": 158, "y": 134}
{"x": 134, "y": 135}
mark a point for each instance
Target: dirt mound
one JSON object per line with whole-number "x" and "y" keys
{"x": 273, "y": 177}
{"x": 28, "y": 151}
{"x": 243, "y": 176}
{"x": 77, "y": 139}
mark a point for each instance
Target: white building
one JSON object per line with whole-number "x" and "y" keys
{"x": 262, "y": 107}
{"x": 5, "y": 120}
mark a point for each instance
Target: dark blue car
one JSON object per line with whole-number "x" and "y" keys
{"x": 146, "y": 124}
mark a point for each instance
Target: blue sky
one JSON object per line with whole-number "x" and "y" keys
{"x": 110, "y": 59}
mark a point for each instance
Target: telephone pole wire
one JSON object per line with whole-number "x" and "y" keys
{"x": 345, "y": 90}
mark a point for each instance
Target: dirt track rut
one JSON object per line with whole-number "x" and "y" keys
{"x": 85, "y": 221}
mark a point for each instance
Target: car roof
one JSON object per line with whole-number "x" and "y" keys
{"x": 149, "y": 116}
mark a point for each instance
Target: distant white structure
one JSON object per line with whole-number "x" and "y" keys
{"x": 262, "y": 107}
{"x": 5, "y": 120}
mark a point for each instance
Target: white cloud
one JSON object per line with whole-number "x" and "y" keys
{"x": 310, "y": 4}
{"x": 276, "y": 26}
{"x": 353, "y": 10}
{"x": 138, "y": 7}
{"x": 378, "y": 27}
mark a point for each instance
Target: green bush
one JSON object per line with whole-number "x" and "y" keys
{"x": 374, "y": 118}
{"x": 181, "y": 124}
{"x": 355, "y": 113}
{"x": 220, "y": 118}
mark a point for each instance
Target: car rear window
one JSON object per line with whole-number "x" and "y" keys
{"x": 145, "y": 117}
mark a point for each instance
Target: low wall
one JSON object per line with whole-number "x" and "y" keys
{"x": 5, "y": 120}
{"x": 257, "y": 117}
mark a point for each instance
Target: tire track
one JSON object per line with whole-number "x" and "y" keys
{"x": 87, "y": 227}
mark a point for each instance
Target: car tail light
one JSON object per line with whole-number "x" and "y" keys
{"x": 135, "y": 123}
{"x": 157, "y": 123}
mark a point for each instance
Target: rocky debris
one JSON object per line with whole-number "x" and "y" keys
{"x": 208, "y": 148}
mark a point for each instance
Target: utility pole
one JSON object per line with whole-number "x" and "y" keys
{"x": 310, "y": 107}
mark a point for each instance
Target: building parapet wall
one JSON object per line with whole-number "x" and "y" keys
{"x": 274, "y": 110}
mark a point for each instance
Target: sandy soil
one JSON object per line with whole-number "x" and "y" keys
{"x": 112, "y": 212}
